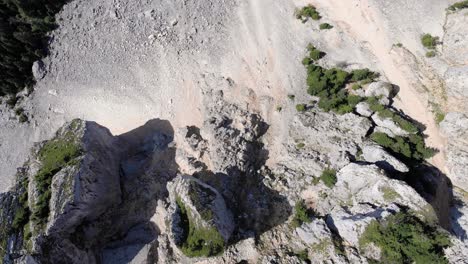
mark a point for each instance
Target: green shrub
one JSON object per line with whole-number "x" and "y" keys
{"x": 314, "y": 54}
{"x": 398, "y": 45}
{"x": 356, "y": 86}
{"x": 300, "y": 145}
{"x": 302, "y": 214}
{"x": 291, "y": 96}
{"x": 303, "y": 255}
{"x": 301, "y": 107}
{"x": 307, "y": 12}
{"x": 279, "y": 108}
{"x": 328, "y": 177}
{"x": 430, "y": 54}
{"x": 198, "y": 241}
{"x": 325, "y": 26}
{"x": 429, "y": 41}
{"x": 363, "y": 74}
{"x": 458, "y": 5}
{"x": 412, "y": 147}
{"x": 403, "y": 238}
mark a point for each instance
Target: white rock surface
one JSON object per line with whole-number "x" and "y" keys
{"x": 363, "y": 109}
{"x": 376, "y": 154}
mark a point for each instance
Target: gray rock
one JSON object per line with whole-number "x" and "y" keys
{"x": 38, "y": 70}
{"x": 363, "y": 109}
{"x": 205, "y": 205}
{"x": 388, "y": 126}
{"x": 381, "y": 89}
{"x": 314, "y": 232}
{"x": 376, "y": 154}
{"x": 455, "y": 128}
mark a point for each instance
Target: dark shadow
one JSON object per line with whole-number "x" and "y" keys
{"x": 435, "y": 187}
{"x": 256, "y": 207}
{"x": 147, "y": 163}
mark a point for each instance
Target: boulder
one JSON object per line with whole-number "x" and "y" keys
{"x": 376, "y": 154}
{"x": 363, "y": 109}
{"x": 38, "y": 70}
{"x": 387, "y": 126}
{"x": 386, "y": 91}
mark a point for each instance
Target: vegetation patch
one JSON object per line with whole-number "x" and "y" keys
{"x": 198, "y": 241}
{"x": 389, "y": 194}
{"x": 385, "y": 112}
{"x": 410, "y": 148}
{"x": 458, "y": 5}
{"x": 303, "y": 255}
{"x": 429, "y": 42}
{"x": 301, "y": 107}
{"x": 324, "y": 26}
{"x": 54, "y": 155}
{"x": 302, "y": 214}
{"x": 307, "y": 12}
{"x": 403, "y": 238}
{"x": 430, "y": 54}
{"x": 328, "y": 177}
{"x": 23, "y": 40}
{"x": 329, "y": 84}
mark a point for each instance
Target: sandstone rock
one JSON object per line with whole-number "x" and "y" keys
{"x": 381, "y": 89}
{"x": 377, "y": 155}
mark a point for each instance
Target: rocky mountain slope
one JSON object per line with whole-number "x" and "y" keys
{"x": 242, "y": 165}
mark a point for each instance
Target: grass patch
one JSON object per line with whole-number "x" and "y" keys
{"x": 307, "y": 12}
{"x": 324, "y": 26}
{"x": 54, "y": 155}
{"x": 403, "y": 238}
{"x": 458, "y": 5}
{"x": 328, "y": 177}
{"x": 198, "y": 241}
{"x": 389, "y": 194}
{"x": 429, "y": 42}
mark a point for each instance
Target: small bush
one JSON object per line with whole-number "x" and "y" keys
{"x": 325, "y": 26}
{"x": 279, "y": 108}
{"x": 300, "y": 145}
{"x": 356, "y": 86}
{"x": 291, "y": 96}
{"x": 301, "y": 107}
{"x": 403, "y": 238}
{"x": 398, "y": 45}
{"x": 314, "y": 53}
{"x": 302, "y": 214}
{"x": 458, "y": 5}
{"x": 429, "y": 41}
{"x": 430, "y": 54}
{"x": 11, "y": 101}
{"x": 328, "y": 177}
{"x": 307, "y": 12}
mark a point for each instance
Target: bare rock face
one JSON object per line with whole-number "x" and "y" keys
{"x": 204, "y": 205}
{"x": 455, "y": 128}
{"x": 385, "y": 91}
{"x": 376, "y": 154}
{"x": 388, "y": 126}
{"x": 363, "y": 109}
